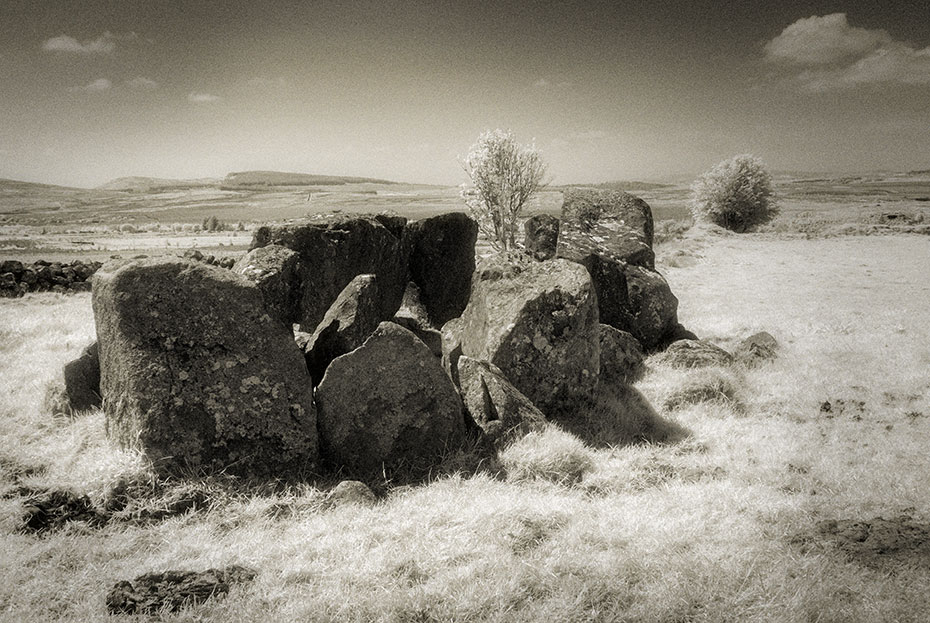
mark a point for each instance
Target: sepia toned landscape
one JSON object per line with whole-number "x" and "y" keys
{"x": 334, "y": 393}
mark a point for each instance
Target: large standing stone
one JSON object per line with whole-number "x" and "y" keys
{"x": 441, "y": 257}
{"x": 275, "y": 270}
{"x": 495, "y": 404}
{"x": 583, "y": 206}
{"x": 197, "y": 374}
{"x": 352, "y": 317}
{"x": 387, "y": 405}
{"x": 541, "y": 236}
{"x": 538, "y": 323}
{"x": 621, "y": 357}
{"x": 333, "y": 249}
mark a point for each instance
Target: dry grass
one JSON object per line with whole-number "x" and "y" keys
{"x": 587, "y": 526}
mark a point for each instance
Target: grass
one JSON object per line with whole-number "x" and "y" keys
{"x": 590, "y": 524}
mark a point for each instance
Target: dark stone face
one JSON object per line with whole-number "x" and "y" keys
{"x": 541, "y": 236}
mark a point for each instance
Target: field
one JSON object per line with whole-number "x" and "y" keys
{"x": 727, "y": 521}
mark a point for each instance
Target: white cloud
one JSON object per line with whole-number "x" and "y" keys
{"x": 98, "y": 85}
{"x": 202, "y": 98}
{"x": 142, "y": 83}
{"x": 831, "y": 55}
{"x": 104, "y": 44}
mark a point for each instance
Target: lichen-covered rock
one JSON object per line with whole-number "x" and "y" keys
{"x": 352, "y": 317}
{"x": 441, "y": 257}
{"x": 587, "y": 206}
{"x": 695, "y": 354}
{"x": 630, "y": 298}
{"x": 621, "y": 357}
{"x": 387, "y": 405}
{"x": 452, "y": 348}
{"x": 333, "y": 250}
{"x": 756, "y": 349}
{"x": 275, "y": 270}
{"x": 152, "y": 593}
{"x": 495, "y": 404}
{"x": 538, "y": 323}
{"x": 197, "y": 374}
{"x": 82, "y": 380}
{"x": 541, "y": 236}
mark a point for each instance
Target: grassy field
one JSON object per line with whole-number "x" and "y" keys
{"x": 718, "y": 525}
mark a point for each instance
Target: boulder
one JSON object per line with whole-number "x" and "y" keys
{"x": 169, "y": 591}
{"x": 333, "y": 250}
{"x": 621, "y": 357}
{"x": 275, "y": 270}
{"x": 15, "y": 267}
{"x": 351, "y": 492}
{"x": 541, "y": 236}
{"x": 197, "y": 374}
{"x": 695, "y": 354}
{"x": 352, "y": 317}
{"x": 452, "y": 348}
{"x": 413, "y": 316}
{"x": 494, "y": 403}
{"x": 630, "y": 298}
{"x": 441, "y": 257}
{"x": 610, "y": 223}
{"x": 538, "y": 323}
{"x": 82, "y": 380}
{"x": 756, "y": 349}
{"x": 387, "y": 406}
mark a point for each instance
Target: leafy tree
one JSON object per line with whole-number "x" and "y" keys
{"x": 736, "y": 194}
{"x": 504, "y": 175}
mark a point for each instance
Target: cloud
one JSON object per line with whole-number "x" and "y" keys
{"x": 98, "y": 85}
{"x": 828, "y": 54}
{"x": 142, "y": 84}
{"x": 202, "y": 98}
{"x": 104, "y": 44}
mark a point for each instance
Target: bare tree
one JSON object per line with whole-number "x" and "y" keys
{"x": 504, "y": 175}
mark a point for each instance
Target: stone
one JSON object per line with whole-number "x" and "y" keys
{"x": 541, "y": 236}
{"x": 584, "y": 206}
{"x": 387, "y": 406}
{"x": 695, "y": 354}
{"x": 621, "y": 357}
{"x": 538, "y": 323}
{"x": 333, "y": 250}
{"x": 275, "y": 270}
{"x": 352, "y": 317}
{"x": 50, "y": 510}
{"x": 82, "y": 380}
{"x": 441, "y": 258}
{"x": 413, "y": 316}
{"x": 495, "y": 404}
{"x": 756, "y": 349}
{"x": 452, "y": 348}
{"x": 197, "y": 374}
{"x": 152, "y": 593}
{"x": 15, "y": 267}
{"x": 351, "y": 492}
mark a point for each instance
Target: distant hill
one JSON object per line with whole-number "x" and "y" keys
{"x": 139, "y": 184}
{"x": 277, "y": 178}
{"x": 15, "y": 186}
{"x": 628, "y": 186}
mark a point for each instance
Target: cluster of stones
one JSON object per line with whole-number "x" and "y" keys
{"x": 367, "y": 344}
{"x": 16, "y": 278}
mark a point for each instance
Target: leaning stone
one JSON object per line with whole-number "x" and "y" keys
{"x": 352, "y": 317}
{"x": 441, "y": 257}
{"x": 196, "y": 373}
{"x": 538, "y": 323}
{"x": 387, "y": 406}
{"x": 275, "y": 271}
{"x": 621, "y": 357}
{"x": 333, "y": 250}
{"x": 496, "y": 405}
{"x": 541, "y": 236}
{"x": 172, "y": 590}
{"x": 694, "y": 354}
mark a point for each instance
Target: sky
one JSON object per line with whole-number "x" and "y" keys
{"x": 622, "y": 90}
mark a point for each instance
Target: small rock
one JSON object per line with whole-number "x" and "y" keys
{"x": 694, "y": 354}
{"x": 53, "y": 509}
{"x": 173, "y": 590}
{"x": 757, "y": 349}
{"x": 351, "y": 492}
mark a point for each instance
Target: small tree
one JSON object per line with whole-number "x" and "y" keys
{"x": 736, "y": 194}
{"x": 504, "y": 175}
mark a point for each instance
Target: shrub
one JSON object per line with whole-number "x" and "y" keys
{"x": 736, "y": 194}
{"x": 504, "y": 175}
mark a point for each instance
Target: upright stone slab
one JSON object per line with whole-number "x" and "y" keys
{"x": 496, "y": 405}
{"x": 275, "y": 270}
{"x": 441, "y": 258}
{"x": 538, "y": 323}
{"x": 387, "y": 405}
{"x": 333, "y": 249}
{"x": 196, "y": 373}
